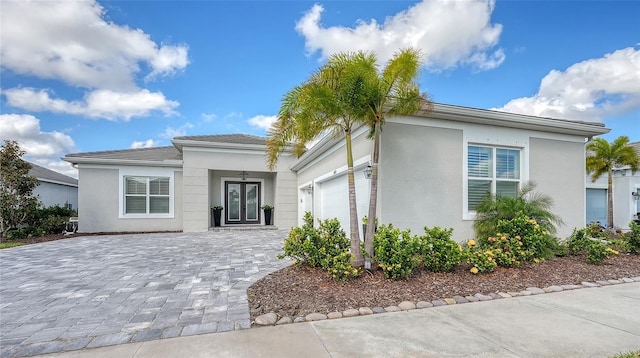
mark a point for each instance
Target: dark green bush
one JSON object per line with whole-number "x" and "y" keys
{"x": 396, "y": 251}
{"x": 439, "y": 252}
{"x": 633, "y": 238}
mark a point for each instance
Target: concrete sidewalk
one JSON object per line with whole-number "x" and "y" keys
{"x": 590, "y": 322}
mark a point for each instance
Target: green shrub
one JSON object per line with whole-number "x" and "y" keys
{"x": 633, "y": 238}
{"x": 529, "y": 240}
{"x": 439, "y": 252}
{"x": 24, "y": 233}
{"x": 326, "y": 247}
{"x": 479, "y": 259}
{"x": 395, "y": 251}
{"x": 597, "y": 252}
{"x": 579, "y": 241}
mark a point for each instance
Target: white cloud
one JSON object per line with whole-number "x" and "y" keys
{"x": 208, "y": 117}
{"x": 262, "y": 121}
{"x": 106, "y": 104}
{"x": 448, "y": 32}
{"x": 590, "y": 90}
{"x": 25, "y": 129}
{"x": 149, "y": 143}
{"x": 71, "y": 41}
{"x": 177, "y": 132}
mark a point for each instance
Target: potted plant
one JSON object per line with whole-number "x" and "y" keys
{"x": 216, "y": 213}
{"x": 268, "y": 210}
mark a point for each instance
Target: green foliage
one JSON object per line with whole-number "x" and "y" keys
{"x": 479, "y": 259}
{"x": 6, "y": 245}
{"x": 17, "y": 201}
{"x": 52, "y": 219}
{"x": 326, "y": 247}
{"x": 597, "y": 252}
{"x": 25, "y": 233}
{"x": 579, "y": 241}
{"x": 633, "y": 238}
{"x": 395, "y": 251}
{"x": 536, "y": 206}
{"x": 630, "y": 354}
{"x": 440, "y": 253}
{"x": 526, "y": 238}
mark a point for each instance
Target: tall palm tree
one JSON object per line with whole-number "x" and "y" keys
{"x": 394, "y": 91}
{"x": 331, "y": 100}
{"x": 604, "y": 157}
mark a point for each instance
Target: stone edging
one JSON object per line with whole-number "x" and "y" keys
{"x": 270, "y": 319}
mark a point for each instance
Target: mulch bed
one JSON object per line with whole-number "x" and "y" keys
{"x": 299, "y": 290}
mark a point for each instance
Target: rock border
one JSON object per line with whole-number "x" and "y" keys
{"x": 271, "y": 318}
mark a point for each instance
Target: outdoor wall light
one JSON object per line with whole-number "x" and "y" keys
{"x": 367, "y": 171}
{"x": 635, "y": 195}
{"x": 310, "y": 189}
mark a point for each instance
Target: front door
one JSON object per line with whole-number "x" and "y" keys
{"x": 243, "y": 203}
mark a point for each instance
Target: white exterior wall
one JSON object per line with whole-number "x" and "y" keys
{"x": 624, "y": 205}
{"x": 557, "y": 167}
{"x": 51, "y": 194}
{"x": 99, "y": 201}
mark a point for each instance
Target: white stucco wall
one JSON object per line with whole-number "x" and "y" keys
{"x": 51, "y": 194}
{"x": 99, "y": 201}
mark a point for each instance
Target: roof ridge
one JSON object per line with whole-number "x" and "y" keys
{"x": 122, "y": 150}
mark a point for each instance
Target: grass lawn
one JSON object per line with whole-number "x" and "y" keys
{"x": 6, "y": 245}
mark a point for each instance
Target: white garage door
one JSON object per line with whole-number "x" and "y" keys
{"x": 334, "y": 199}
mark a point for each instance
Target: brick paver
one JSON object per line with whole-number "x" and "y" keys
{"x": 104, "y": 290}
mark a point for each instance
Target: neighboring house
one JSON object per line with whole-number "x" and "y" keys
{"x": 55, "y": 188}
{"x": 626, "y": 205}
{"x": 434, "y": 169}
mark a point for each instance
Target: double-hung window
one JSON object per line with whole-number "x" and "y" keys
{"x": 491, "y": 170}
{"x": 146, "y": 195}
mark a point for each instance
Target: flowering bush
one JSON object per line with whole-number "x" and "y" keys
{"x": 340, "y": 268}
{"x": 395, "y": 251}
{"x": 633, "y": 238}
{"x": 439, "y": 252}
{"x": 597, "y": 252}
{"x": 480, "y": 260}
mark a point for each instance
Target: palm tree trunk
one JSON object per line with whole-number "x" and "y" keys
{"x": 373, "y": 198}
{"x": 353, "y": 209}
{"x": 610, "y": 201}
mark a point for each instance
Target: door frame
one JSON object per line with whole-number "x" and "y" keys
{"x": 223, "y": 185}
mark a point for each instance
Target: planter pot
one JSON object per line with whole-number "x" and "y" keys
{"x": 216, "y": 215}
{"x": 267, "y": 217}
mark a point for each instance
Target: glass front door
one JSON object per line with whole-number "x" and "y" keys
{"x": 243, "y": 203}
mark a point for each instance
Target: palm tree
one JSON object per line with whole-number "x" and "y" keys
{"x": 331, "y": 100}
{"x": 394, "y": 91}
{"x": 604, "y": 157}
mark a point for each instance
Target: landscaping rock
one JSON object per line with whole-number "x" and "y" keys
{"x": 526, "y": 293}
{"x": 352, "y": 312}
{"x": 547, "y": 290}
{"x": 603, "y": 283}
{"x": 555, "y": 288}
{"x": 636, "y": 279}
{"x": 504, "y": 295}
{"x": 570, "y": 287}
{"x": 590, "y": 284}
{"x": 615, "y": 282}
{"x": 378, "y": 309}
{"x": 424, "y": 304}
{"x": 460, "y": 299}
{"x": 482, "y": 297}
{"x": 535, "y": 290}
{"x": 627, "y": 280}
{"x": 407, "y": 305}
{"x": 515, "y": 294}
{"x": 495, "y": 296}
{"x": 392, "y": 309}
{"x": 471, "y": 299}
{"x": 284, "y": 320}
{"x": 437, "y": 303}
{"x": 315, "y": 317}
{"x": 365, "y": 311}
{"x": 334, "y": 315}
{"x": 450, "y": 301}
{"x": 267, "y": 319}
{"x": 298, "y": 320}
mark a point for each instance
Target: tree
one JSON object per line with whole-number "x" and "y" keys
{"x": 603, "y": 157}
{"x": 394, "y": 91}
{"x": 17, "y": 201}
{"x": 333, "y": 99}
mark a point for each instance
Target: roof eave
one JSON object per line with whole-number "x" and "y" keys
{"x": 127, "y": 162}
{"x": 56, "y": 182}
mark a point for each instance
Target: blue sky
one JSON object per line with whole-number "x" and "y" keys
{"x": 81, "y": 76}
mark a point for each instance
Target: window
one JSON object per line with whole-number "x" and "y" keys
{"x": 146, "y": 195}
{"x": 491, "y": 170}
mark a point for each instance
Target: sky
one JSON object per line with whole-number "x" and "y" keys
{"x": 84, "y": 75}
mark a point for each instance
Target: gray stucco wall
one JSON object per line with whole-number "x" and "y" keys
{"x": 51, "y": 194}
{"x": 421, "y": 179}
{"x": 99, "y": 205}
{"x": 557, "y": 167}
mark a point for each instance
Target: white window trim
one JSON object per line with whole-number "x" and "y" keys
{"x": 145, "y": 172}
{"x": 470, "y": 215}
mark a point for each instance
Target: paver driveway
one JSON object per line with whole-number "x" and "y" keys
{"x": 103, "y": 290}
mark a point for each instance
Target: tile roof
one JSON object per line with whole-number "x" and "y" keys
{"x": 226, "y": 138}
{"x": 147, "y": 154}
{"x": 44, "y": 174}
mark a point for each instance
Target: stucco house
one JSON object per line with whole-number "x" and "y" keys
{"x": 55, "y": 188}
{"x": 626, "y": 196}
{"x": 434, "y": 168}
